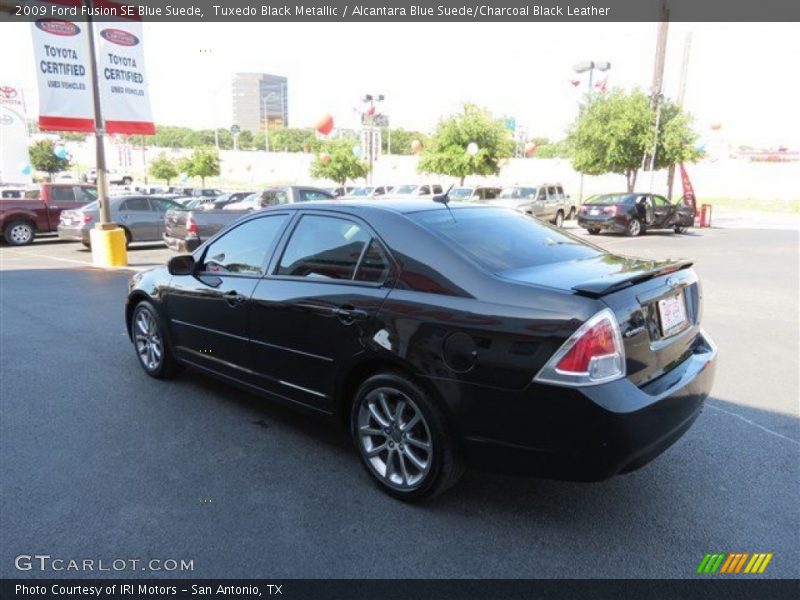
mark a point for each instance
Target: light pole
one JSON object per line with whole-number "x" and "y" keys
{"x": 369, "y": 128}
{"x": 580, "y": 68}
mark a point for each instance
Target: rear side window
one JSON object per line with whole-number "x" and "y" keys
{"x": 137, "y": 204}
{"x": 243, "y": 249}
{"x": 502, "y": 239}
{"x": 274, "y": 197}
{"x": 374, "y": 267}
{"x": 62, "y": 194}
{"x": 85, "y": 194}
{"x": 324, "y": 248}
{"x": 309, "y": 195}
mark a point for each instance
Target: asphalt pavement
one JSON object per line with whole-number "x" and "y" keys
{"x": 100, "y": 462}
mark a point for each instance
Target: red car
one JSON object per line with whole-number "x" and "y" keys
{"x": 39, "y": 210}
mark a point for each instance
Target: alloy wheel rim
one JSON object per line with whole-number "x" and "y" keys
{"x": 148, "y": 341}
{"x": 635, "y": 227}
{"x": 394, "y": 439}
{"x": 20, "y": 233}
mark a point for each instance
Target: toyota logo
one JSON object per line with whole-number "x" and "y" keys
{"x": 7, "y": 92}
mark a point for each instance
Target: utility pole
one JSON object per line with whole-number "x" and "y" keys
{"x": 99, "y": 129}
{"x": 656, "y": 96}
{"x": 687, "y": 49}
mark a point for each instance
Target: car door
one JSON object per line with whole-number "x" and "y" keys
{"x": 663, "y": 212}
{"x": 137, "y": 216}
{"x": 208, "y": 311}
{"x": 312, "y": 313}
{"x": 538, "y": 202}
{"x": 161, "y": 206}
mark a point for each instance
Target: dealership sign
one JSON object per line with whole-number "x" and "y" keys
{"x": 14, "y": 161}
{"x": 61, "y": 50}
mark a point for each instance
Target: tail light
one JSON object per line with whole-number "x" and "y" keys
{"x": 87, "y": 218}
{"x": 191, "y": 227}
{"x": 610, "y": 210}
{"x": 593, "y": 354}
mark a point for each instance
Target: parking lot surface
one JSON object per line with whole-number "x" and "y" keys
{"x": 99, "y": 461}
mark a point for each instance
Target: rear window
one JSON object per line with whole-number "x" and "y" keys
{"x": 612, "y": 199}
{"x": 502, "y": 239}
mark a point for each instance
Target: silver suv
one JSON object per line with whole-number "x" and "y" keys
{"x": 546, "y": 201}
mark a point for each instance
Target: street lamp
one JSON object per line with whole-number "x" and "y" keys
{"x": 580, "y": 68}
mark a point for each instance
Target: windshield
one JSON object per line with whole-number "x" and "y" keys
{"x": 612, "y": 199}
{"x": 516, "y": 193}
{"x": 404, "y": 189}
{"x": 460, "y": 193}
{"x": 501, "y": 239}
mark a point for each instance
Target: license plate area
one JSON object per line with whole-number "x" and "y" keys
{"x": 672, "y": 314}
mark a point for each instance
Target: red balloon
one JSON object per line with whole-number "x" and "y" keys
{"x": 530, "y": 149}
{"x": 325, "y": 124}
{"x": 416, "y": 146}
{"x": 325, "y": 158}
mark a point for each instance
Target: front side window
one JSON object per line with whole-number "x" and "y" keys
{"x": 274, "y": 197}
{"x": 62, "y": 194}
{"x": 324, "y": 248}
{"x": 163, "y": 205}
{"x": 243, "y": 250}
{"x": 85, "y": 194}
{"x": 310, "y": 195}
{"x": 660, "y": 201}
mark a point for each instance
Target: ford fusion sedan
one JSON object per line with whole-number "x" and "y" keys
{"x": 440, "y": 336}
{"x": 634, "y": 214}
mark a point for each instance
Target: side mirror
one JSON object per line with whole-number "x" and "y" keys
{"x": 182, "y": 264}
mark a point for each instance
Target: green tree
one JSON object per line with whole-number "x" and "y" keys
{"x": 162, "y": 167}
{"x": 613, "y": 133}
{"x": 204, "y": 163}
{"x": 343, "y": 164}
{"x": 401, "y": 140}
{"x": 446, "y": 152}
{"x": 43, "y": 158}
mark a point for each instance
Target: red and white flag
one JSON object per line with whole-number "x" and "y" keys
{"x": 688, "y": 190}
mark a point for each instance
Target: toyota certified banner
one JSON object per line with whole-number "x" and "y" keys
{"x": 14, "y": 162}
{"x": 120, "y": 71}
{"x": 61, "y": 50}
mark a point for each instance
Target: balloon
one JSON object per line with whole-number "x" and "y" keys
{"x": 357, "y": 150}
{"x": 700, "y": 146}
{"x": 716, "y": 126}
{"x": 26, "y": 170}
{"x": 472, "y": 149}
{"x": 325, "y": 158}
{"x": 60, "y": 151}
{"x": 183, "y": 177}
{"x": 416, "y": 146}
{"x": 530, "y": 149}
{"x": 325, "y": 124}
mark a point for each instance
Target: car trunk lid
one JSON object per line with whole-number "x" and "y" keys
{"x": 656, "y": 303}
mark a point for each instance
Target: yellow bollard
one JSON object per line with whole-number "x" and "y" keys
{"x": 108, "y": 246}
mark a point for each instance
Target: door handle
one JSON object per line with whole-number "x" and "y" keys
{"x": 233, "y": 298}
{"x": 349, "y": 314}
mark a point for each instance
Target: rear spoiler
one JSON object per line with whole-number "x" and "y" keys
{"x": 601, "y": 286}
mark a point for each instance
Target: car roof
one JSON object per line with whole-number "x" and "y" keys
{"x": 387, "y": 204}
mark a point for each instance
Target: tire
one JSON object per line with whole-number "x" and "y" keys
{"x": 19, "y": 233}
{"x": 128, "y": 238}
{"x": 634, "y": 228}
{"x": 127, "y": 181}
{"x": 681, "y": 229}
{"x": 571, "y": 214}
{"x": 593, "y": 231}
{"x": 150, "y": 342}
{"x": 559, "y": 220}
{"x": 86, "y": 244}
{"x": 402, "y": 469}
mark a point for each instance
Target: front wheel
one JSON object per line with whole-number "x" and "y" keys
{"x": 681, "y": 229}
{"x": 559, "y": 219}
{"x": 402, "y": 438}
{"x": 19, "y": 233}
{"x": 150, "y": 342}
{"x": 571, "y": 214}
{"x": 633, "y": 228}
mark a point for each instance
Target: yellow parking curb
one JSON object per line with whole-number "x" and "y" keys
{"x": 108, "y": 247}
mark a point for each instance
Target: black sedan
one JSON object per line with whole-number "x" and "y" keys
{"x": 633, "y": 214}
{"x": 440, "y": 335}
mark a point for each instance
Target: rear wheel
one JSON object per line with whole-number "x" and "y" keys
{"x": 150, "y": 342}
{"x": 593, "y": 231}
{"x": 634, "y": 227}
{"x": 559, "y": 219}
{"x": 680, "y": 229}
{"x": 127, "y": 181}
{"x": 402, "y": 438}
{"x": 19, "y": 233}
{"x": 571, "y": 214}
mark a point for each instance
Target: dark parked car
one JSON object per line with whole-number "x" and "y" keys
{"x": 633, "y": 214}
{"x": 141, "y": 217}
{"x": 440, "y": 335}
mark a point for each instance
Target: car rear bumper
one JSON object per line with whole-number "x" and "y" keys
{"x": 592, "y": 433}
{"x": 602, "y": 223}
{"x": 80, "y": 234}
{"x": 180, "y": 245}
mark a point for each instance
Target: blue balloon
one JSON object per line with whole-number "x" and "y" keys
{"x": 357, "y": 150}
{"x": 26, "y": 170}
{"x": 700, "y": 147}
{"x": 60, "y": 152}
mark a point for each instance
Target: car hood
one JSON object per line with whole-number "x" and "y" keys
{"x": 597, "y": 275}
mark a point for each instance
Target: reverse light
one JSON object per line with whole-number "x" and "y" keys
{"x": 87, "y": 218}
{"x": 593, "y": 354}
